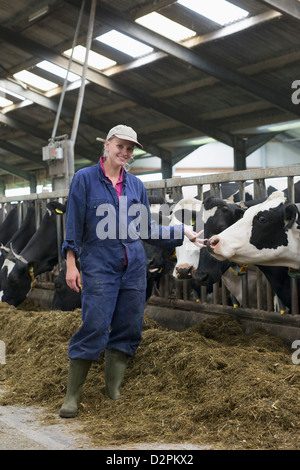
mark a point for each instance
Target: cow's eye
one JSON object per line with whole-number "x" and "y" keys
{"x": 262, "y": 219}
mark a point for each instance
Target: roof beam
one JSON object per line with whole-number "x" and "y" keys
{"x": 14, "y": 149}
{"x": 172, "y": 48}
{"x": 287, "y": 7}
{"x": 15, "y": 171}
{"x": 108, "y": 83}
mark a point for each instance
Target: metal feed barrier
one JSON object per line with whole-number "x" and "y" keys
{"x": 174, "y": 300}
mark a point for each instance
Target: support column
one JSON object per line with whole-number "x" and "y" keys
{"x": 2, "y": 186}
{"x": 32, "y": 184}
{"x": 239, "y": 154}
{"x": 166, "y": 168}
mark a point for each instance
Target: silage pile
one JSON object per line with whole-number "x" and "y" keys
{"x": 209, "y": 385}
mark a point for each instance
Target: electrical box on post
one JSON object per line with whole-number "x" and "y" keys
{"x": 56, "y": 156}
{"x": 54, "y": 150}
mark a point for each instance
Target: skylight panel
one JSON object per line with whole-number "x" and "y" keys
{"x": 95, "y": 60}
{"x": 165, "y": 27}
{"x": 5, "y": 102}
{"x": 35, "y": 81}
{"x": 125, "y": 44}
{"x": 219, "y": 11}
{"x": 57, "y": 70}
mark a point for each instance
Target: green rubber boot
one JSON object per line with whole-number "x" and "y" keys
{"x": 78, "y": 371}
{"x": 115, "y": 366}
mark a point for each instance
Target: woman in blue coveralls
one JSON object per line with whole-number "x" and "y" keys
{"x": 101, "y": 230}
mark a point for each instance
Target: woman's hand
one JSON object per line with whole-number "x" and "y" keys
{"x": 73, "y": 278}
{"x": 193, "y": 237}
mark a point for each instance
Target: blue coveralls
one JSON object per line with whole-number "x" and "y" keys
{"x": 113, "y": 294}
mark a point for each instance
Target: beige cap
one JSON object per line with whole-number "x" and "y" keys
{"x": 124, "y": 132}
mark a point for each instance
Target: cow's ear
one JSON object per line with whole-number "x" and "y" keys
{"x": 290, "y": 214}
{"x": 56, "y": 207}
{"x": 238, "y": 213}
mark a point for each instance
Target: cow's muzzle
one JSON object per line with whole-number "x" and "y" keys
{"x": 184, "y": 272}
{"x": 212, "y": 243}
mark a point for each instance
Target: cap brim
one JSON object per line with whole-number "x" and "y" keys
{"x": 125, "y": 137}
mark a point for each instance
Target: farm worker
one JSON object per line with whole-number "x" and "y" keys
{"x": 105, "y": 220}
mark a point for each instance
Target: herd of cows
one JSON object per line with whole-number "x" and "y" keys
{"x": 263, "y": 234}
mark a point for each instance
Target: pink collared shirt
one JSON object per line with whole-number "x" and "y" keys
{"x": 119, "y": 184}
{"x": 118, "y": 187}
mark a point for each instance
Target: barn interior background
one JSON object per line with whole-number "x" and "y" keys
{"x": 207, "y": 95}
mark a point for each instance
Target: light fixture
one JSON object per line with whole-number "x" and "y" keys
{"x": 34, "y": 80}
{"x": 57, "y": 70}
{"x": 124, "y": 43}
{"x": 219, "y": 11}
{"x": 165, "y": 27}
{"x": 95, "y": 60}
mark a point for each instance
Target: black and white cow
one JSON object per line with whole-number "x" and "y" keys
{"x": 38, "y": 256}
{"x": 21, "y": 237}
{"x": 268, "y": 236}
{"x": 217, "y": 216}
{"x": 65, "y": 298}
{"x": 9, "y": 226}
{"x": 268, "y": 233}
{"x": 160, "y": 261}
{"x": 187, "y": 212}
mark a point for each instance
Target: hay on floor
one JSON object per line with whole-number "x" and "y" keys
{"x": 209, "y": 385}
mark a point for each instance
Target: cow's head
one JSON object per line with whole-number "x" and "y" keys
{"x": 267, "y": 234}
{"x": 65, "y": 298}
{"x": 188, "y": 213}
{"x": 39, "y": 255}
{"x": 217, "y": 216}
{"x": 15, "y": 280}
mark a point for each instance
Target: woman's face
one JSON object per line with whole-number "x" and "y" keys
{"x": 119, "y": 151}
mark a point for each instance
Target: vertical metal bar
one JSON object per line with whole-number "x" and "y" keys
{"x": 200, "y": 191}
{"x": 203, "y": 294}
{"x": 259, "y": 278}
{"x": 216, "y": 293}
{"x": 242, "y": 190}
{"x": 290, "y": 189}
{"x": 20, "y": 207}
{"x": 178, "y": 289}
{"x": 270, "y": 305}
{"x": 224, "y": 295}
{"x": 245, "y": 299}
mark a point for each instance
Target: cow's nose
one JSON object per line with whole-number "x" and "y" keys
{"x": 184, "y": 272}
{"x": 212, "y": 243}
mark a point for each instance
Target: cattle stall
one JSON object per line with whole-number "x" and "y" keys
{"x": 173, "y": 302}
